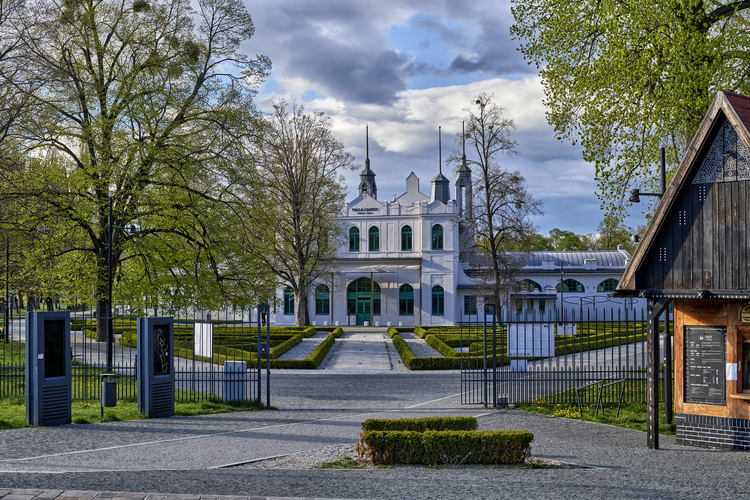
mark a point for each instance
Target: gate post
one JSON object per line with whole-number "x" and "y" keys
{"x": 155, "y": 368}
{"x": 655, "y": 309}
{"x": 48, "y": 368}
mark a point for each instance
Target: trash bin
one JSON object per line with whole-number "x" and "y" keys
{"x": 235, "y": 376}
{"x": 109, "y": 393}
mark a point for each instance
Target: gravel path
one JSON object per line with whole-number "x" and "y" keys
{"x": 419, "y": 347}
{"x": 305, "y": 348}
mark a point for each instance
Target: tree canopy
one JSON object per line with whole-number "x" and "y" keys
{"x": 149, "y": 103}
{"x": 624, "y": 78}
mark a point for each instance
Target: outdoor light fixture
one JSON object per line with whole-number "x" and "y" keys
{"x": 635, "y": 194}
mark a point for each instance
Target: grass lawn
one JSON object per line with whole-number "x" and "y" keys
{"x": 13, "y": 410}
{"x": 632, "y": 415}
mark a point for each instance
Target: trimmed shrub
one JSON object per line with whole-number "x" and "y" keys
{"x": 448, "y": 447}
{"x": 337, "y": 332}
{"x": 441, "y": 346}
{"x": 420, "y": 332}
{"x": 421, "y": 424}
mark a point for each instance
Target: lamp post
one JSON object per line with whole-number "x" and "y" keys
{"x": 7, "y": 291}
{"x": 562, "y": 289}
{"x": 110, "y": 323}
{"x": 635, "y": 194}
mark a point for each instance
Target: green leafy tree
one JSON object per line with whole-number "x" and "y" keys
{"x": 624, "y": 78}
{"x": 149, "y": 103}
{"x": 563, "y": 240}
{"x": 300, "y": 200}
{"x": 612, "y": 233}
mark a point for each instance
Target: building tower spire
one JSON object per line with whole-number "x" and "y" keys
{"x": 463, "y": 181}
{"x": 367, "y": 177}
{"x": 440, "y": 184}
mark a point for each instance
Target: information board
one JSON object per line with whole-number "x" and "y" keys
{"x": 531, "y": 340}
{"x": 705, "y": 365}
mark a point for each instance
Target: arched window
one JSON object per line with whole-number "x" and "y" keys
{"x": 437, "y": 237}
{"x": 406, "y": 238}
{"x": 570, "y": 285}
{"x": 528, "y": 286}
{"x": 438, "y": 301}
{"x": 354, "y": 239}
{"x": 406, "y": 300}
{"x": 607, "y": 285}
{"x": 374, "y": 239}
{"x": 288, "y": 300}
{"x": 322, "y": 300}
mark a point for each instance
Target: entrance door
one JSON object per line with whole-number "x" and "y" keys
{"x": 363, "y": 310}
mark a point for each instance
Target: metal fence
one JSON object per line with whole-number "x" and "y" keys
{"x": 584, "y": 358}
{"x": 226, "y": 335}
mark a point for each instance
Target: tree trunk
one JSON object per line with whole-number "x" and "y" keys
{"x": 302, "y": 316}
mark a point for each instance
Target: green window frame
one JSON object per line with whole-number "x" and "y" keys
{"x": 406, "y": 238}
{"x": 322, "y": 300}
{"x": 470, "y": 305}
{"x": 406, "y": 300}
{"x": 438, "y": 301}
{"x": 570, "y": 286}
{"x": 373, "y": 239}
{"x": 437, "y": 237}
{"x": 288, "y": 301}
{"x": 528, "y": 285}
{"x": 354, "y": 239}
{"x": 607, "y": 285}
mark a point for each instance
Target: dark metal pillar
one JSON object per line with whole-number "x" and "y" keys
{"x": 7, "y": 290}
{"x": 667, "y": 370}
{"x": 268, "y": 355}
{"x": 110, "y": 337}
{"x": 655, "y": 309}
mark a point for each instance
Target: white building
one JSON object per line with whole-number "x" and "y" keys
{"x": 409, "y": 248}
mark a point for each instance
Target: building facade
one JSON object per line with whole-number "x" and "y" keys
{"x": 401, "y": 266}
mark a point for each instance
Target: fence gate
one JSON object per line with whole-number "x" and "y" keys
{"x": 203, "y": 342}
{"x": 583, "y": 357}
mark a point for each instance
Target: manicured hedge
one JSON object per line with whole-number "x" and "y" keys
{"x": 414, "y": 363}
{"x": 313, "y": 360}
{"x": 421, "y": 424}
{"x": 441, "y": 346}
{"x": 448, "y": 447}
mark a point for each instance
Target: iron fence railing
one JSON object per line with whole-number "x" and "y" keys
{"x": 541, "y": 359}
{"x": 199, "y": 372}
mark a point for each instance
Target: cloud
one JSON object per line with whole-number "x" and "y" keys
{"x": 493, "y": 52}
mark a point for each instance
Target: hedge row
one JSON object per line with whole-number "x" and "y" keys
{"x": 421, "y": 424}
{"x": 414, "y": 363}
{"x": 441, "y": 346}
{"x": 448, "y": 447}
{"x": 314, "y": 359}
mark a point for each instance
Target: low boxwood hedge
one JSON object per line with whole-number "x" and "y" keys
{"x": 441, "y": 346}
{"x": 421, "y": 424}
{"x": 314, "y": 359}
{"x": 448, "y": 447}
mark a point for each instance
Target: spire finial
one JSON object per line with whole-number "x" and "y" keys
{"x": 440, "y": 150}
{"x": 463, "y": 140}
{"x": 367, "y": 140}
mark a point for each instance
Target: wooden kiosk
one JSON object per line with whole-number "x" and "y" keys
{"x": 695, "y": 254}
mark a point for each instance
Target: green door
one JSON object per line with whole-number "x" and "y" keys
{"x": 363, "y": 310}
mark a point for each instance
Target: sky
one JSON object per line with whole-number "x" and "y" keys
{"x": 405, "y": 68}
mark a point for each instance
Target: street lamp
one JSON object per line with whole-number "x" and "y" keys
{"x": 635, "y": 194}
{"x": 110, "y": 323}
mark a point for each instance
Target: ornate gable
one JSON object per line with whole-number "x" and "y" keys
{"x": 727, "y": 160}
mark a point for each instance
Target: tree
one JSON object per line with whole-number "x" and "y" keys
{"x": 624, "y": 78}
{"x": 612, "y": 233}
{"x": 12, "y": 101}
{"x": 135, "y": 103}
{"x": 563, "y": 240}
{"x": 501, "y": 206}
{"x": 303, "y": 196}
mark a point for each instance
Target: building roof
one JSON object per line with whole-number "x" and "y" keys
{"x": 604, "y": 258}
{"x": 735, "y": 109}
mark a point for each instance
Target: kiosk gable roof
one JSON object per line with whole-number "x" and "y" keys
{"x": 699, "y": 236}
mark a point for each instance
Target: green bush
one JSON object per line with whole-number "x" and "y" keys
{"x": 420, "y": 332}
{"x": 441, "y": 346}
{"x": 337, "y": 332}
{"x": 448, "y": 447}
{"x": 421, "y": 424}
{"x": 312, "y": 361}
{"x": 392, "y": 331}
